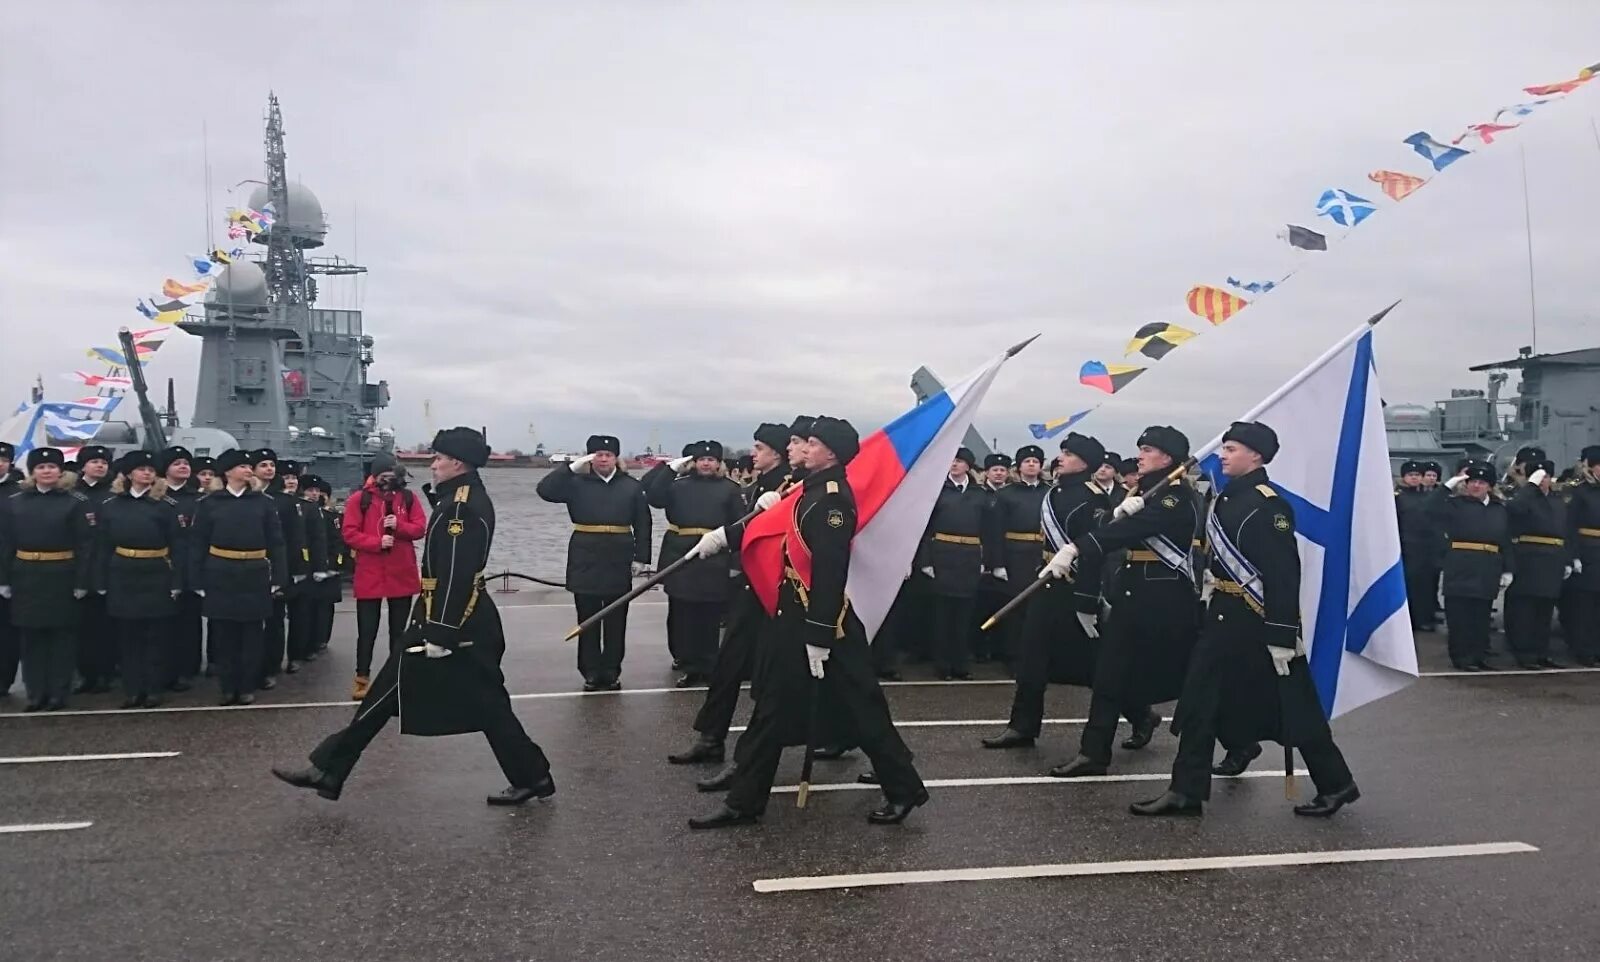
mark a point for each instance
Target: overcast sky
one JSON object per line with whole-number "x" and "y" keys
{"x": 686, "y": 218}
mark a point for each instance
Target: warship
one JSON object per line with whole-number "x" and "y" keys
{"x": 276, "y": 371}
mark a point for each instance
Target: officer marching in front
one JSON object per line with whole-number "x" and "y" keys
{"x": 1478, "y": 562}
{"x": 139, "y": 543}
{"x": 1248, "y": 678}
{"x": 447, "y": 680}
{"x": 746, "y": 618}
{"x": 951, "y": 558}
{"x": 97, "y": 639}
{"x": 1152, "y": 627}
{"x": 819, "y": 647}
{"x": 610, "y": 544}
{"x": 46, "y": 570}
{"x": 1542, "y": 562}
{"x": 1060, "y": 622}
{"x": 696, "y": 499}
{"x": 237, "y": 567}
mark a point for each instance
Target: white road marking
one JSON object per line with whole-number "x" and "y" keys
{"x": 811, "y": 883}
{"x": 700, "y": 689}
{"x": 43, "y": 827}
{"x": 1029, "y": 780}
{"x": 1508, "y": 671}
{"x": 967, "y": 723}
{"x": 118, "y": 757}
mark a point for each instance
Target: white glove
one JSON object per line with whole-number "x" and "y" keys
{"x": 712, "y": 542}
{"x": 320, "y": 576}
{"x": 1208, "y": 584}
{"x": 297, "y": 578}
{"x": 1505, "y": 580}
{"x": 767, "y": 500}
{"x": 175, "y": 593}
{"x": 928, "y": 571}
{"x": 638, "y": 568}
{"x": 680, "y": 465}
{"x": 1061, "y": 565}
{"x": 1132, "y": 504}
{"x": 579, "y": 465}
{"x": 100, "y": 591}
{"x": 274, "y": 590}
{"x": 1000, "y": 574}
{"x": 5, "y": 591}
{"x": 1456, "y": 481}
{"x": 1577, "y": 566}
{"x": 1537, "y": 477}
{"x": 817, "y": 657}
{"x": 435, "y": 651}
{"x": 1566, "y": 572}
{"x": 80, "y": 593}
{"x": 1091, "y": 628}
{"x": 1280, "y": 659}
{"x": 200, "y": 592}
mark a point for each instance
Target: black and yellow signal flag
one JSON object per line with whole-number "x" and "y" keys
{"x": 1156, "y": 339}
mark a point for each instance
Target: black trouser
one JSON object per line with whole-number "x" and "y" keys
{"x": 886, "y": 645}
{"x": 10, "y": 648}
{"x": 1528, "y": 627}
{"x": 302, "y": 625}
{"x": 1191, "y": 770}
{"x": 97, "y": 640}
{"x": 1583, "y": 639}
{"x": 696, "y": 624}
{"x": 1467, "y": 621}
{"x": 142, "y": 642}
{"x": 1042, "y": 648}
{"x": 48, "y": 656}
{"x": 1101, "y": 730}
{"x": 368, "y": 613}
{"x": 732, "y": 667}
{"x": 952, "y": 619}
{"x": 523, "y": 762}
{"x": 324, "y": 623}
{"x": 1422, "y": 586}
{"x": 185, "y": 629}
{"x": 238, "y": 661}
{"x": 852, "y": 689}
{"x": 602, "y": 645}
{"x": 988, "y": 645}
{"x": 274, "y": 643}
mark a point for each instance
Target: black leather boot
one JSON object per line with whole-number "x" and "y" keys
{"x": 704, "y": 749}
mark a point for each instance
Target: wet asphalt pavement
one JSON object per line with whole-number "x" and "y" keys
{"x": 204, "y": 856}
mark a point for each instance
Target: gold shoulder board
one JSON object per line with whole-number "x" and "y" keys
{"x": 833, "y": 487}
{"x": 1266, "y": 491}
{"x": 462, "y": 494}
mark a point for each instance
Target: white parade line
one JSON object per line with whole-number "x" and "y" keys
{"x": 1029, "y": 780}
{"x": 812, "y": 883}
{"x": 118, "y": 757}
{"x": 43, "y": 827}
{"x": 967, "y": 723}
{"x": 696, "y": 689}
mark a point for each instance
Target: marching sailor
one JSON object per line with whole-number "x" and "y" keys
{"x": 455, "y": 646}
{"x": 1249, "y": 679}
{"x": 1152, "y": 625}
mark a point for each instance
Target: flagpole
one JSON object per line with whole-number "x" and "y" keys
{"x": 1180, "y": 470}
{"x": 1527, "y": 220}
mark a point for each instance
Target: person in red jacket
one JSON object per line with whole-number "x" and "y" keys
{"x": 382, "y": 521}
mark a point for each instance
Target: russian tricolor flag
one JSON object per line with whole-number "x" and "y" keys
{"x": 896, "y": 478}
